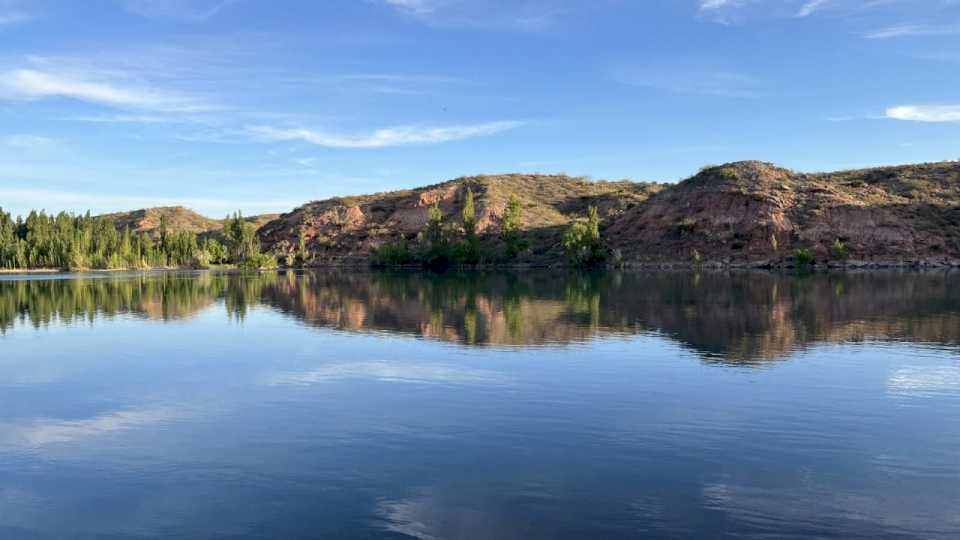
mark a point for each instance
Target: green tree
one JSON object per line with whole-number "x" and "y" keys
{"x": 582, "y": 240}
{"x": 243, "y": 246}
{"x": 438, "y": 254}
{"x": 469, "y": 251}
{"x": 510, "y": 230}
{"x": 469, "y": 215}
{"x": 302, "y": 254}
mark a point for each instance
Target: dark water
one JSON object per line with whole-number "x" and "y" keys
{"x": 530, "y": 405}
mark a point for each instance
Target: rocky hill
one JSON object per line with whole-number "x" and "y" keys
{"x": 343, "y": 230}
{"x": 747, "y": 213}
{"x": 756, "y": 213}
{"x": 147, "y": 220}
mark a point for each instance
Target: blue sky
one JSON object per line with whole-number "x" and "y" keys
{"x": 261, "y": 106}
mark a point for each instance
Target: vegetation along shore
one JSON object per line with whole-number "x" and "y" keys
{"x": 750, "y": 214}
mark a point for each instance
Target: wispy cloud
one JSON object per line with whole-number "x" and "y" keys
{"x": 689, "y": 79}
{"x": 527, "y": 15}
{"x": 381, "y": 138}
{"x": 908, "y": 30}
{"x": 417, "y": 7}
{"x": 27, "y": 142}
{"x": 925, "y": 113}
{"x": 811, "y": 6}
{"x": 128, "y": 119}
{"x": 707, "y": 5}
{"x": 190, "y": 11}
{"x": 13, "y": 18}
{"x": 12, "y": 12}
{"x": 32, "y": 84}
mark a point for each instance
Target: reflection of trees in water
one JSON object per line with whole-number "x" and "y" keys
{"x": 739, "y": 317}
{"x": 158, "y": 296}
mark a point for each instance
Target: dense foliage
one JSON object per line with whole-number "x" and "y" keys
{"x": 582, "y": 240}
{"x": 510, "y": 229}
{"x": 441, "y": 244}
{"x": 72, "y": 242}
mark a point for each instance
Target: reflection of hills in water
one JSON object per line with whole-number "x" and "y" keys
{"x": 733, "y": 317}
{"x": 737, "y": 317}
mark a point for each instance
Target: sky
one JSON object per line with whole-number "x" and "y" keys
{"x": 260, "y": 106}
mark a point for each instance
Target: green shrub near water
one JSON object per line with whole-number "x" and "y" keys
{"x": 582, "y": 241}
{"x": 393, "y": 254}
{"x": 839, "y": 250}
{"x": 803, "y": 256}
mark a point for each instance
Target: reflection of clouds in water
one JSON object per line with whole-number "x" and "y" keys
{"x": 395, "y": 372}
{"x": 44, "y": 431}
{"x": 432, "y": 514}
{"x": 405, "y": 517}
{"x": 922, "y": 380}
{"x": 829, "y": 511}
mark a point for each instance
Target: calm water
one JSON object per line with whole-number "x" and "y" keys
{"x": 530, "y": 405}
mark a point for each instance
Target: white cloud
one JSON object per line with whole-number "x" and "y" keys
{"x": 27, "y": 142}
{"x": 907, "y": 30}
{"x": 809, "y": 7}
{"x": 525, "y": 15}
{"x": 417, "y": 7}
{"x": 191, "y": 11}
{"x": 925, "y": 113}
{"x": 381, "y": 138}
{"x": 717, "y": 4}
{"x": 30, "y": 84}
{"x": 128, "y": 119}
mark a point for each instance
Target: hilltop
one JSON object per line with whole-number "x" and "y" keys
{"x": 178, "y": 218}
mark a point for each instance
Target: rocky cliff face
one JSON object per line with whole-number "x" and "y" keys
{"x": 756, "y": 213}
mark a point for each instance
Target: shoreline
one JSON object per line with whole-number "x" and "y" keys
{"x": 712, "y": 266}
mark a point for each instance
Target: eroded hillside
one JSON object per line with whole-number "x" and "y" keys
{"x": 343, "y": 230}
{"x": 754, "y": 212}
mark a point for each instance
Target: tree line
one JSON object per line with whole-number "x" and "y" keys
{"x": 81, "y": 242}
{"x": 441, "y": 244}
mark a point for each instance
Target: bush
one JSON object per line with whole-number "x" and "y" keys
{"x": 259, "y": 261}
{"x": 582, "y": 241}
{"x": 803, "y": 256}
{"x": 839, "y": 250}
{"x": 391, "y": 254}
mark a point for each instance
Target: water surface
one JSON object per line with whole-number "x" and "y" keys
{"x": 523, "y": 405}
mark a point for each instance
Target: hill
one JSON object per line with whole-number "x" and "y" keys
{"x": 147, "y": 220}
{"x": 757, "y": 213}
{"x": 344, "y": 229}
{"x": 748, "y": 213}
